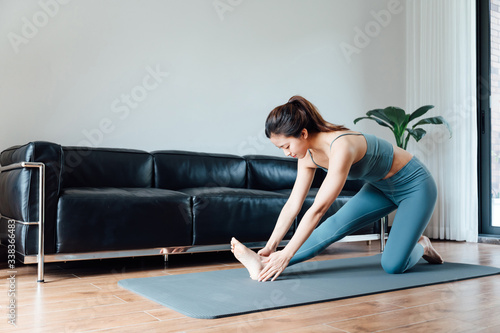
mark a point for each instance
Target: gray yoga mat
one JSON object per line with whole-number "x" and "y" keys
{"x": 230, "y": 292}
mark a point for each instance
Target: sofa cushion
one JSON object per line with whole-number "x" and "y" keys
{"x": 275, "y": 173}
{"x": 176, "y": 169}
{"x": 220, "y": 213}
{"x": 106, "y": 167}
{"x": 278, "y": 173}
{"x": 101, "y": 219}
{"x": 342, "y": 199}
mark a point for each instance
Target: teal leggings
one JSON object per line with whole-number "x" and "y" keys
{"x": 411, "y": 190}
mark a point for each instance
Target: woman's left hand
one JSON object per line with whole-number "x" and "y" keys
{"x": 276, "y": 264}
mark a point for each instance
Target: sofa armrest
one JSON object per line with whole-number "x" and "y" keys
{"x": 18, "y": 199}
{"x": 19, "y": 193}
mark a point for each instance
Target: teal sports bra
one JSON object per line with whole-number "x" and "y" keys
{"x": 376, "y": 162}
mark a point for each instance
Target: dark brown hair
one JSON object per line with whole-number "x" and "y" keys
{"x": 292, "y": 117}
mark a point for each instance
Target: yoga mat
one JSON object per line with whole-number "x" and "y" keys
{"x": 216, "y": 294}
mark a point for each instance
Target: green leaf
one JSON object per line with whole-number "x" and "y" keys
{"x": 380, "y": 122}
{"x": 434, "y": 121}
{"x": 400, "y": 119}
{"x": 420, "y": 111}
{"x": 395, "y": 114}
{"x": 380, "y": 114}
{"x": 417, "y": 133}
{"x": 360, "y": 118}
{"x": 430, "y": 121}
{"x": 405, "y": 123}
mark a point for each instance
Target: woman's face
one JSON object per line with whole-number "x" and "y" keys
{"x": 294, "y": 147}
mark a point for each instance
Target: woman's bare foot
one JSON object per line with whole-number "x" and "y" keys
{"x": 430, "y": 254}
{"x": 172, "y": 250}
{"x": 247, "y": 257}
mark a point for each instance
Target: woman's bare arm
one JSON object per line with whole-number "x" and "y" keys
{"x": 291, "y": 209}
{"x": 340, "y": 161}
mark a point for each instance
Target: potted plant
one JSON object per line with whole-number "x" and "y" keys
{"x": 398, "y": 121}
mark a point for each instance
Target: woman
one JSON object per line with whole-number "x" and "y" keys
{"x": 393, "y": 179}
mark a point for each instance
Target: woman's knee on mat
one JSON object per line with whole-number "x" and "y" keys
{"x": 393, "y": 265}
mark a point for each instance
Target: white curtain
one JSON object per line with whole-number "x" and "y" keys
{"x": 441, "y": 70}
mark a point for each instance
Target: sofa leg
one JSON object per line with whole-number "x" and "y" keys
{"x": 41, "y": 211}
{"x": 165, "y": 260}
{"x": 383, "y": 222}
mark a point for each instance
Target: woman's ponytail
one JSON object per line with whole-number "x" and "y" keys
{"x": 291, "y": 118}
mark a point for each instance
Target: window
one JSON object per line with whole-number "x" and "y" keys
{"x": 488, "y": 57}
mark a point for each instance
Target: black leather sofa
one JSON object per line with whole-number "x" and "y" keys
{"x": 101, "y": 202}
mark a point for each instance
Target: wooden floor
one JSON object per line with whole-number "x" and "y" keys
{"x": 85, "y": 297}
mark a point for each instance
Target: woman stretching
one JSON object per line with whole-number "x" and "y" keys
{"x": 393, "y": 179}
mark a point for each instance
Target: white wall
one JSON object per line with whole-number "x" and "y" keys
{"x": 67, "y": 67}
